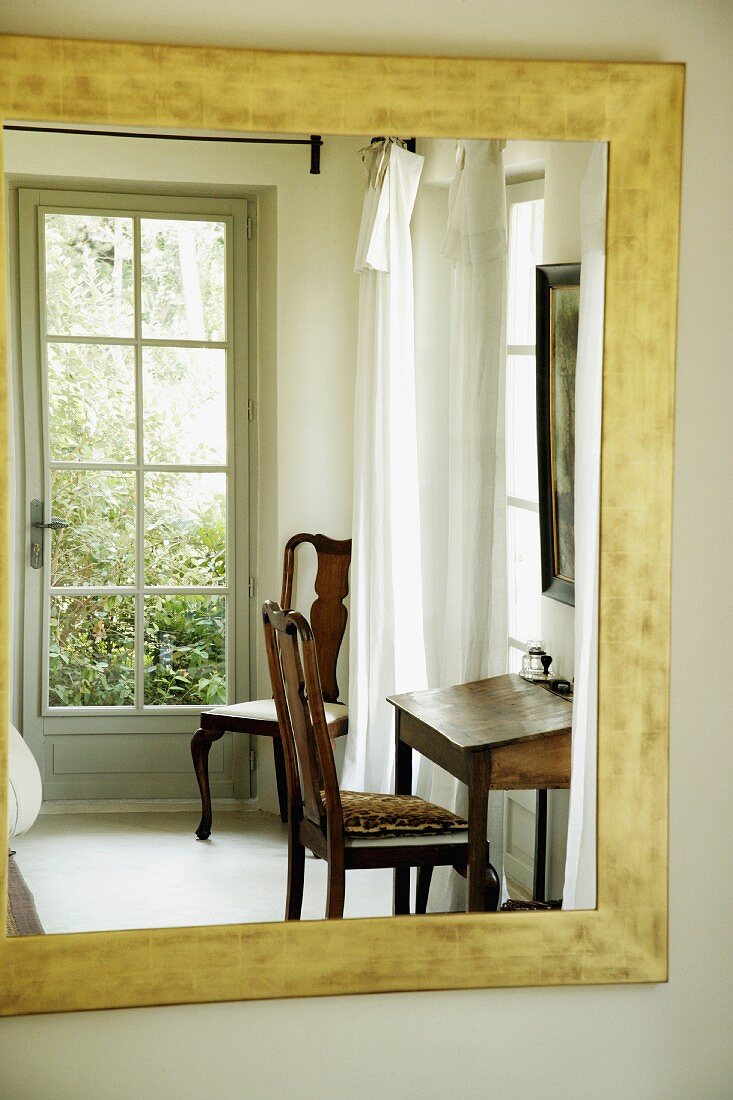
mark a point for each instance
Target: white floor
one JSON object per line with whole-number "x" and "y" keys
{"x": 103, "y": 871}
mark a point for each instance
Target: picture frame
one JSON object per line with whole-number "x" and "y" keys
{"x": 637, "y": 110}
{"x": 557, "y": 314}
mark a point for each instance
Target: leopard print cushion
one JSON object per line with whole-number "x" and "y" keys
{"x": 396, "y": 815}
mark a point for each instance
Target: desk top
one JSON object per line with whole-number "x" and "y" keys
{"x": 499, "y": 711}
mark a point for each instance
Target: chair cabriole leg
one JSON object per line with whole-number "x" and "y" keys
{"x": 200, "y": 747}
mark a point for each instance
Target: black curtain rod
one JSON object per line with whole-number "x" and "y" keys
{"x": 315, "y": 140}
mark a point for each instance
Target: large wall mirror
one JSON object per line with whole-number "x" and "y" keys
{"x": 219, "y": 943}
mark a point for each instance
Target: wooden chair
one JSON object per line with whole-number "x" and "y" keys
{"x": 258, "y": 716}
{"x": 348, "y": 829}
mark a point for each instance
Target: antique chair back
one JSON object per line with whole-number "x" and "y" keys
{"x": 349, "y": 829}
{"x": 327, "y": 614}
{"x": 299, "y": 701}
{"x": 257, "y": 717}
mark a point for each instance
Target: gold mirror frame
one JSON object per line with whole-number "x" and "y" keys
{"x": 637, "y": 108}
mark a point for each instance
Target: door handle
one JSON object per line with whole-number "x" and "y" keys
{"x": 54, "y": 525}
{"x": 37, "y": 525}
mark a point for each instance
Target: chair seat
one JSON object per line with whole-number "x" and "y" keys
{"x": 263, "y": 710}
{"x": 406, "y": 841}
{"x": 396, "y": 815}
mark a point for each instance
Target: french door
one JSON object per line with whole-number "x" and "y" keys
{"x": 134, "y": 360}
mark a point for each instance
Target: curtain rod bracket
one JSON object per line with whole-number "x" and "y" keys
{"x": 316, "y": 143}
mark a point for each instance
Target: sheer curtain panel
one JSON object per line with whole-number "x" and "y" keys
{"x": 579, "y": 891}
{"x": 386, "y": 635}
{"x": 474, "y": 637}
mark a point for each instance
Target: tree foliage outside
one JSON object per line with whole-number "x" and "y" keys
{"x": 184, "y": 405}
{"x": 182, "y": 277}
{"x": 89, "y": 275}
{"x": 184, "y": 649}
{"x": 91, "y": 399}
{"x": 184, "y": 529}
{"x": 92, "y": 650}
{"x": 92, "y": 419}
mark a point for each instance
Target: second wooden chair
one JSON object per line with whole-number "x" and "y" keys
{"x": 349, "y": 829}
{"x": 258, "y": 716}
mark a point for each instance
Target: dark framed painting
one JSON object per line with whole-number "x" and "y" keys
{"x": 558, "y": 308}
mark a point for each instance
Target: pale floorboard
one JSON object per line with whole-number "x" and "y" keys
{"x": 103, "y": 871}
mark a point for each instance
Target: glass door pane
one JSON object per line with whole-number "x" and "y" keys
{"x": 98, "y": 546}
{"x": 185, "y": 641}
{"x": 89, "y": 284}
{"x": 136, "y": 355}
{"x": 91, "y": 402}
{"x": 184, "y": 405}
{"x": 183, "y": 284}
{"x": 185, "y": 529}
{"x": 92, "y": 651}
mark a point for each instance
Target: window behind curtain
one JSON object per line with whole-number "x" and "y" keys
{"x": 525, "y": 209}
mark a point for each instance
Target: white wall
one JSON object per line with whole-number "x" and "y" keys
{"x": 564, "y": 170}
{"x": 565, "y": 167}
{"x": 306, "y": 339}
{"x": 660, "y": 1042}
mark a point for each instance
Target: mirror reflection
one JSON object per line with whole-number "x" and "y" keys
{"x": 214, "y": 351}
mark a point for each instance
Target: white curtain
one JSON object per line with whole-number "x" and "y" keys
{"x": 579, "y": 890}
{"x": 386, "y": 639}
{"x": 474, "y": 637}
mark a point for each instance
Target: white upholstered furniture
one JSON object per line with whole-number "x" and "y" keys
{"x": 25, "y": 790}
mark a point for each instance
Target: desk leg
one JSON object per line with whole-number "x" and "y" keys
{"x": 403, "y": 785}
{"x": 478, "y": 804}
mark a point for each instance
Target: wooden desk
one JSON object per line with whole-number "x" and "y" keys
{"x": 501, "y": 734}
